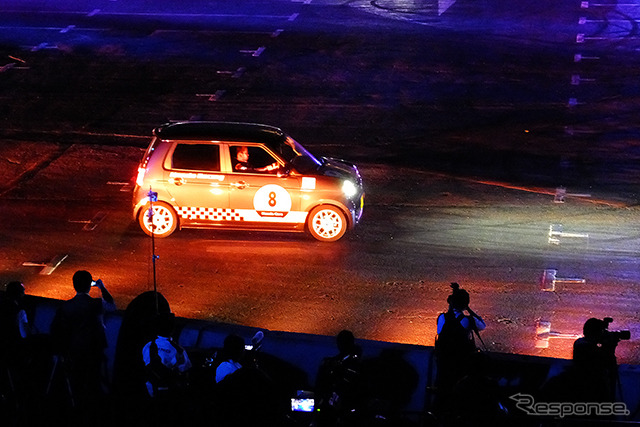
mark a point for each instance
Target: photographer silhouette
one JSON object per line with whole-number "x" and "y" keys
{"x": 455, "y": 344}
{"x": 594, "y": 359}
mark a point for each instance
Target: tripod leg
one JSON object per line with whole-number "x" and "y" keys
{"x": 53, "y": 374}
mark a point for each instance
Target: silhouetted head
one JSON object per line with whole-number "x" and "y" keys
{"x": 233, "y": 347}
{"x": 459, "y": 298}
{"x": 14, "y": 290}
{"x": 346, "y": 342}
{"x": 164, "y": 324}
{"x": 82, "y": 281}
{"x": 594, "y": 328}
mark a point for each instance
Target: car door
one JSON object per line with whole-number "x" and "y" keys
{"x": 259, "y": 191}
{"x": 196, "y": 183}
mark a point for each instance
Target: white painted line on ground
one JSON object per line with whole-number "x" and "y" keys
{"x": 97, "y": 219}
{"x": 293, "y": 17}
{"x": 33, "y": 264}
{"x": 58, "y": 29}
{"x": 573, "y": 102}
{"x": 579, "y": 57}
{"x": 67, "y": 29}
{"x": 586, "y": 4}
{"x": 256, "y": 52}
{"x": 49, "y": 267}
{"x": 12, "y": 66}
{"x": 53, "y": 264}
{"x": 561, "y": 194}
{"x": 581, "y": 38}
{"x": 443, "y": 5}
{"x": 91, "y": 224}
{"x": 213, "y": 97}
{"x": 544, "y": 333}
{"x": 42, "y": 46}
{"x": 555, "y": 233}
{"x": 125, "y": 186}
{"x": 549, "y": 280}
{"x": 576, "y": 79}
{"x": 570, "y": 130}
{"x": 584, "y": 20}
{"x": 94, "y": 12}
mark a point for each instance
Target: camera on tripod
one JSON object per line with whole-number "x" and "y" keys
{"x": 614, "y": 336}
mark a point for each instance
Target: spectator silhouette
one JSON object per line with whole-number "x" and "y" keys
{"x": 166, "y": 367}
{"x": 390, "y": 384}
{"x": 595, "y": 363}
{"x": 244, "y": 395}
{"x": 230, "y": 356}
{"x": 14, "y": 324}
{"x": 339, "y": 390}
{"x": 14, "y": 355}
{"x": 25, "y": 355}
{"x": 136, "y": 330}
{"x": 455, "y": 345}
{"x": 477, "y": 397}
{"x": 79, "y": 337}
{"x": 593, "y": 373}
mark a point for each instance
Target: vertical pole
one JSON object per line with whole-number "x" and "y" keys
{"x": 153, "y": 197}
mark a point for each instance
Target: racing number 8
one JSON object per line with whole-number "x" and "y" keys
{"x": 272, "y": 198}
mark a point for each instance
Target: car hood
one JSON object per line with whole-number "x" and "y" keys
{"x": 340, "y": 169}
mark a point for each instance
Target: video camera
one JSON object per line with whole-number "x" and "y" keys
{"x": 614, "y": 335}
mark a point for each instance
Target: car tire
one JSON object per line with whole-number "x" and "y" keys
{"x": 165, "y": 220}
{"x": 327, "y": 223}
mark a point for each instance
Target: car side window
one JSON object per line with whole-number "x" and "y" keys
{"x": 250, "y": 159}
{"x": 196, "y": 157}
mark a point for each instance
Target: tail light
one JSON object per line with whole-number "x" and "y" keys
{"x": 140, "y": 178}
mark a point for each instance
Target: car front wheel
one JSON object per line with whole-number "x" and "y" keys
{"x": 162, "y": 223}
{"x": 327, "y": 223}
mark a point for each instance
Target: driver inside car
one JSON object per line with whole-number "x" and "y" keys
{"x": 243, "y": 164}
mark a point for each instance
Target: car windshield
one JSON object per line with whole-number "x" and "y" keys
{"x": 298, "y": 156}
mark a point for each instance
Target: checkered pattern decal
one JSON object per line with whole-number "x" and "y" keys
{"x": 209, "y": 214}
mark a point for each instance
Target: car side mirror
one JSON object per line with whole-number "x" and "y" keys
{"x": 283, "y": 172}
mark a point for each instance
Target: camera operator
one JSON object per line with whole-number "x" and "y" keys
{"x": 455, "y": 345}
{"x": 595, "y": 362}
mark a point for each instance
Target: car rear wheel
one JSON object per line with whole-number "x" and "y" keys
{"x": 164, "y": 220}
{"x": 327, "y": 223}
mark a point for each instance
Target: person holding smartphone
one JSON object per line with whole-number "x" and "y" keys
{"x": 79, "y": 339}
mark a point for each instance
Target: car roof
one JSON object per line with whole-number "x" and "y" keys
{"x": 220, "y": 131}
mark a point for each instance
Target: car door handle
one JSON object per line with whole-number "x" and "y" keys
{"x": 240, "y": 185}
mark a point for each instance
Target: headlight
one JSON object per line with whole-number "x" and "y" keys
{"x": 349, "y": 188}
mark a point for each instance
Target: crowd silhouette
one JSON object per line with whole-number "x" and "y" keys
{"x": 59, "y": 378}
